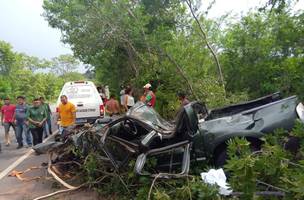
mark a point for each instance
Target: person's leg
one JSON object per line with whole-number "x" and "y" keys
{"x": 14, "y": 128}
{"x": 27, "y": 133}
{"x": 34, "y": 135}
{"x": 45, "y": 130}
{"x": 49, "y": 123}
{"x": 6, "y": 132}
{"x": 39, "y": 135}
{"x": 19, "y": 130}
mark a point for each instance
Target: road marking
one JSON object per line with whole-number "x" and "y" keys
{"x": 21, "y": 159}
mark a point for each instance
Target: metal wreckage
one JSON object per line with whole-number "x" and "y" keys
{"x": 197, "y": 135}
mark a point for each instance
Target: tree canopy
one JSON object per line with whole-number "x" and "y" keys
{"x": 33, "y": 77}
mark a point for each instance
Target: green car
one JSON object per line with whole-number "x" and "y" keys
{"x": 159, "y": 146}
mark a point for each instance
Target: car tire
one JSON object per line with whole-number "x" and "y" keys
{"x": 221, "y": 158}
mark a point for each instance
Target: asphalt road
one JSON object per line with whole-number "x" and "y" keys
{"x": 8, "y": 156}
{"x": 37, "y": 180}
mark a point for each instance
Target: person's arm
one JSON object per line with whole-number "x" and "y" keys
{"x": 73, "y": 110}
{"x": 14, "y": 114}
{"x": 2, "y": 115}
{"x": 44, "y": 118}
{"x": 117, "y": 106}
{"x": 29, "y": 119}
{"x": 126, "y": 102}
{"x": 148, "y": 98}
{"x": 49, "y": 109}
{"x": 107, "y": 110}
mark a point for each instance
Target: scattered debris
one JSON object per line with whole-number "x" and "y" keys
{"x": 217, "y": 177}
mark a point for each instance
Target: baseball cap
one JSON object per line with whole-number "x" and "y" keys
{"x": 148, "y": 85}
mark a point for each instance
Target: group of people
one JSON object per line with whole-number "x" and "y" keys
{"x": 34, "y": 121}
{"x": 113, "y": 107}
{"x": 28, "y": 120}
{"x": 127, "y": 100}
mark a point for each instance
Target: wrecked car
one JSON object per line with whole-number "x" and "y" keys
{"x": 156, "y": 146}
{"x": 196, "y": 135}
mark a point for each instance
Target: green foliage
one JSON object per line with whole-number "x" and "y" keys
{"x": 32, "y": 77}
{"x": 272, "y": 165}
{"x": 264, "y": 49}
{"x": 135, "y": 42}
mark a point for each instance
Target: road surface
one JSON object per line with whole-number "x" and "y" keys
{"x": 38, "y": 181}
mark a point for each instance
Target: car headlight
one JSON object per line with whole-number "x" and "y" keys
{"x": 300, "y": 111}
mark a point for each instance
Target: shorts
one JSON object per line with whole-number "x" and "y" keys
{"x": 8, "y": 125}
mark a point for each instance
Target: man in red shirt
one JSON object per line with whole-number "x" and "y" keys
{"x": 7, "y": 118}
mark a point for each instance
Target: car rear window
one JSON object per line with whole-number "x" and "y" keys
{"x": 79, "y": 91}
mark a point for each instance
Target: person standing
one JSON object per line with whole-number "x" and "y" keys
{"x": 7, "y": 119}
{"x": 36, "y": 117}
{"x": 67, "y": 114}
{"x": 150, "y": 96}
{"x": 47, "y": 128}
{"x": 129, "y": 99}
{"x": 183, "y": 98}
{"x": 28, "y": 135}
{"x": 112, "y": 106}
{"x": 20, "y": 121}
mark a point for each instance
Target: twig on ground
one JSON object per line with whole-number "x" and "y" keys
{"x": 271, "y": 186}
{"x": 160, "y": 175}
{"x": 152, "y": 185}
{"x": 261, "y": 193}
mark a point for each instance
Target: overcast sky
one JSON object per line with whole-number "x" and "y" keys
{"x": 22, "y": 25}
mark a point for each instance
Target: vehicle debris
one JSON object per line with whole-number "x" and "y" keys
{"x": 19, "y": 174}
{"x": 217, "y": 177}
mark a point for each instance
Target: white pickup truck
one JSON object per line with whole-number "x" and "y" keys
{"x": 84, "y": 95}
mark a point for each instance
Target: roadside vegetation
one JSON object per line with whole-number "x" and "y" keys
{"x": 32, "y": 77}
{"x": 175, "y": 46}
{"x": 162, "y": 42}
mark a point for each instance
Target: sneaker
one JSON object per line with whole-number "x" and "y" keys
{"x": 7, "y": 144}
{"x": 46, "y": 136}
{"x": 19, "y": 146}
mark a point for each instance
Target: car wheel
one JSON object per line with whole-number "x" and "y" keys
{"x": 221, "y": 158}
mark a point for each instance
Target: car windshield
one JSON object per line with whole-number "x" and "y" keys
{"x": 149, "y": 116}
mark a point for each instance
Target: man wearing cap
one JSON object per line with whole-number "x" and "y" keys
{"x": 150, "y": 96}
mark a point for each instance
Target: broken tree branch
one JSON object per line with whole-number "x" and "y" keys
{"x": 261, "y": 193}
{"x": 271, "y": 186}
{"x": 162, "y": 175}
{"x": 204, "y": 37}
{"x": 180, "y": 70}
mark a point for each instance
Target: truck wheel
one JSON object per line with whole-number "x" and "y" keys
{"x": 221, "y": 158}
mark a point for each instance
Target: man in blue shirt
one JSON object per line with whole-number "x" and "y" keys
{"x": 20, "y": 120}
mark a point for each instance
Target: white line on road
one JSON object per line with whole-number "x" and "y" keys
{"x": 21, "y": 159}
